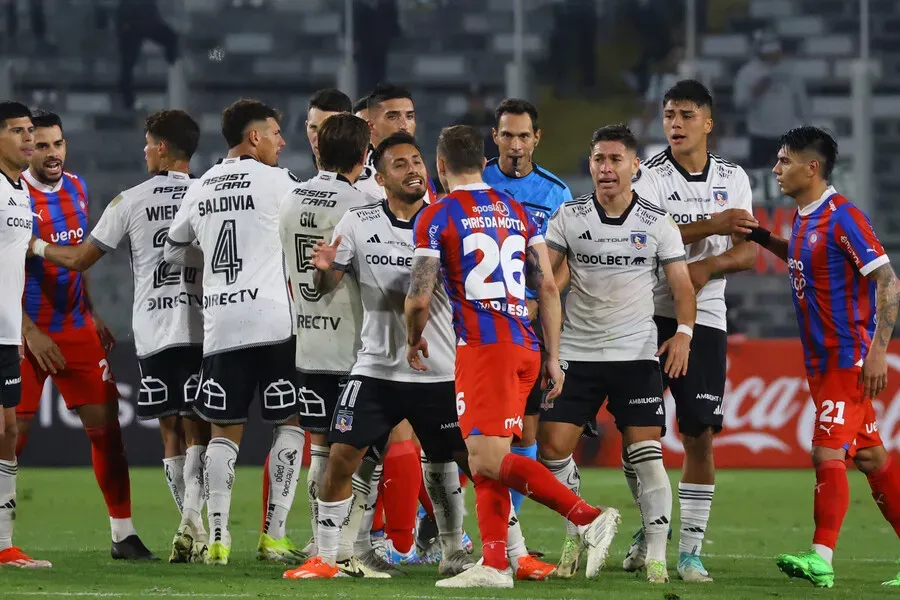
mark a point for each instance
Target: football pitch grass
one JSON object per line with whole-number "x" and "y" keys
{"x": 756, "y": 515}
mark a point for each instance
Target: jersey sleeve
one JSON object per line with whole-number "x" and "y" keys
{"x": 429, "y": 229}
{"x": 112, "y": 226}
{"x": 347, "y": 250}
{"x": 670, "y": 247}
{"x": 646, "y": 184}
{"x": 556, "y": 232}
{"x": 534, "y": 230}
{"x": 285, "y": 183}
{"x": 743, "y": 191}
{"x": 856, "y": 239}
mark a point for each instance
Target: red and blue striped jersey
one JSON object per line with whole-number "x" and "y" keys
{"x": 54, "y": 296}
{"x": 831, "y": 251}
{"x": 481, "y": 236}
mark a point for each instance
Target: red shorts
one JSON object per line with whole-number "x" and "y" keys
{"x": 87, "y": 378}
{"x": 492, "y": 385}
{"x": 844, "y": 419}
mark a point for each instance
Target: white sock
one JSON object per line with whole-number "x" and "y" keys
{"x": 8, "y": 471}
{"x": 328, "y": 527}
{"x": 221, "y": 454}
{"x": 515, "y": 540}
{"x": 193, "y": 487}
{"x": 352, "y": 539}
{"x": 121, "y": 528}
{"x": 174, "y": 469}
{"x": 318, "y": 460}
{"x": 442, "y": 484}
{"x": 695, "y": 500}
{"x": 364, "y": 535}
{"x": 631, "y": 479}
{"x": 656, "y": 495}
{"x": 824, "y": 551}
{"x": 284, "y": 470}
{"x": 566, "y": 472}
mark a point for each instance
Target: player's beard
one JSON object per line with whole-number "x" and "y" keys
{"x": 408, "y": 197}
{"x": 46, "y": 178}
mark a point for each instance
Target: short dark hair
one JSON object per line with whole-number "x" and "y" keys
{"x": 812, "y": 139}
{"x": 462, "y": 148}
{"x": 395, "y": 139}
{"x": 384, "y": 92}
{"x": 343, "y": 140}
{"x": 239, "y": 115}
{"x": 180, "y": 132}
{"x": 615, "y": 133}
{"x": 361, "y": 104}
{"x": 330, "y": 100}
{"x": 12, "y": 110}
{"x": 44, "y": 118}
{"x": 689, "y": 90}
{"x": 517, "y": 106}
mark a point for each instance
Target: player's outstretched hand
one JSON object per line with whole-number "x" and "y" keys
{"x": 677, "y": 350}
{"x": 873, "y": 377}
{"x": 413, "y": 358}
{"x": 734, "y": 221}
{"x": 323, "y": 254}
{"x": 552, "y": 378}
{"x": 45, "y": 351}
{"x": 107, "y": 339}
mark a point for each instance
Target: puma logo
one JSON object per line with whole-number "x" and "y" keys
{"x": 827, "y": 430}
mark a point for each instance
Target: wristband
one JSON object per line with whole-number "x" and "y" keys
{"x": 685, "y": 330}
{"x": 38, "y": 247}
{"x": 760, "y": 235}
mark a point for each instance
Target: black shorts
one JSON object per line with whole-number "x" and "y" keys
{"x": 317, "y": 395}
{"x": 169, "y": 381}
{"x": 370, "y": 408}
{"x": 229, "y": 381}
{"x": 634, "y": 389}
{"x": 698, "y": 395}
{"x": 10, "y": 377}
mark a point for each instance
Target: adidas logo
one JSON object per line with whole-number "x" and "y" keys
{"x": 694, "y": 529}
{"x": 661, "y": 521}
{"x": 718, "y": 410}
{"x": 374, "y": 239}
{"x": 674, "y": 198}
{"x": 586, "y": 236}
{"x": 660, "y": 410}
{"x": 12, "y": 202}
{"x": 326, "y": 523}
{"x": 11, "y": 505}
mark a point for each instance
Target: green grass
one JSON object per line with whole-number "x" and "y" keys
{"x": 756, "y": 515}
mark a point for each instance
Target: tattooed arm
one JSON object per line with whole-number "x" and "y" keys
{"x": 539, "y": 277}
{"x": 422, "y": 280}
{"x": 873, "y": 377}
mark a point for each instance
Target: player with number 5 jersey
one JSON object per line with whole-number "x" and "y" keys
{"x": 487, "y": 249}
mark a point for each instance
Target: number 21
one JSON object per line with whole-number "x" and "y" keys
{"x": 828, "y": 407}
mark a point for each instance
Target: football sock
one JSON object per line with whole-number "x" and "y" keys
{"x": 318, "y": 460}
{"x": 515, "y": 539}
{"x": 328, "y": 527}
{"x": 174, "y": 470}
{"x": 365, "y": 486}
{"x": 492, "y": 505}
{"x": 656, "y": 495}
{"x": 824, "y": 551}
{"x": 221, "y": 455}
{"x": 831, "y": 501}
{"x": 885, "y": 484}
{"x": 375, "y": 511}
{"x": 193, "y": 486}
{"x": 424, "y": 499}
{"x": 535, "y": 481}
{"x": 284, "y": 471}
{"x": 694, "y": 502}
{"x": 111, "y": 468}
{"x": 265, "y": 493}
{"x": 631, "y": 479}
{"x": 402, "y": 480}
{"x": 528, "y": 452}
{"x": 442, "y": 482}
{"x": 566, "y": 472}
{"x": 8, "y": 471}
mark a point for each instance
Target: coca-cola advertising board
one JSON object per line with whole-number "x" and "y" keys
{"x": 768, "y": 413}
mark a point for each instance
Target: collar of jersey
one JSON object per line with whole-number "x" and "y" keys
{"x": 702, "y": 176}
{"x": 395, "y": 222}
{"x": 337, "y": 176}
{"x": 15, "y": 184}
{"x": 472, "y": 187}
{"x": 814, "y": 206}
{"x": 41, "y": 187}
{"x": 242, "y": 157}
{"x": 177, "y": 174}
{"x": 614, "y": 220}
{"x": 495, "y": 162}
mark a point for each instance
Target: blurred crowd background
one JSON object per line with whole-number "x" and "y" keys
{"x": 771, "y": 64}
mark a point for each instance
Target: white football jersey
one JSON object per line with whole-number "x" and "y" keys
{"x": 232, "y": 211}
{"x": 377, "y": 249}
{"x": 690, "y": 198}
{"x": 168, "y": 299}
{"x": 328, "y": 325}
{"x": 613, "y": 263}
{"x": 15, "y": 234}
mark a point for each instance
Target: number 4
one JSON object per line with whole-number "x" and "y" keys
{"x": 828, "y": 407}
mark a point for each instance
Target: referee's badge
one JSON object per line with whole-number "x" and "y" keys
{"x": 720, "y": 195}
{"x": 638, "y": 239}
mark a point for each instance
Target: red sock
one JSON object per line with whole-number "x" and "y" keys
{"x": 425, "y": 501}
{"x": 463, "y": 479}
{"x": 533, "y": 480}
{"x": 111, "y": 468}
{"x": 492, "y": 508}
{"x": 378, "y": 520}
{"x": 21, "y": 440}
{"x": 885, "y": 484}
{"x": 832, "y": 499}
{"x": 265, "y": 494}
{"x": 402, "y": 479}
